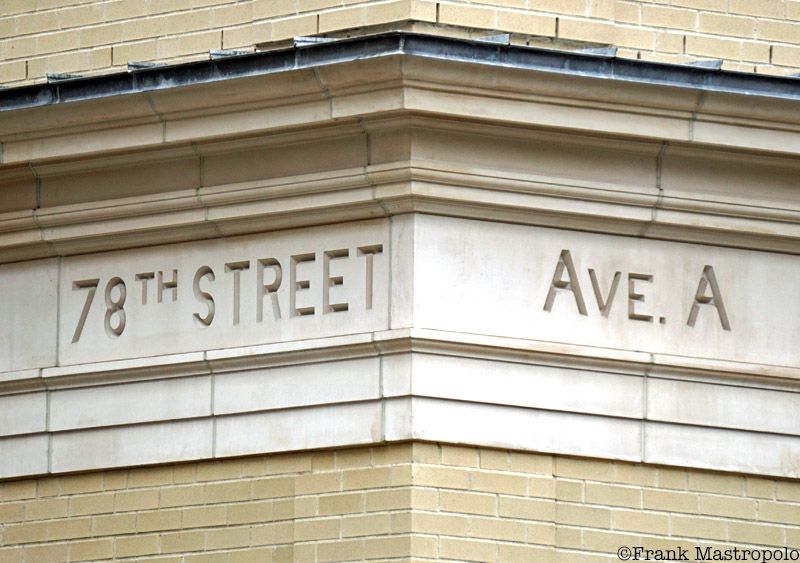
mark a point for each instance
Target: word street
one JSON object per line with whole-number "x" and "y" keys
{"x": 269, "y": 280}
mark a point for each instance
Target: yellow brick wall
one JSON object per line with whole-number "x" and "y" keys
{"x": 423, "y": 501}
{"x": 95, "y": 36}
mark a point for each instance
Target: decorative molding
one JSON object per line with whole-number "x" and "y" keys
{"x": 401, "y": 341}
{"x": 414, "y": 381}
{"x": 392, "y": 189}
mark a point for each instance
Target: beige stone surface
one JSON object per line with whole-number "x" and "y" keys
{"x": 30, "y": 311}
{"x": 415, "y": 326}
{"x": 199, "y": 297}
{"x": 413, "y": 500}
{"x": 498, "y": 279}
{"x": 420, "y": 150}
{"x": 495, "y": 279}
{"x": 507, "y": 144}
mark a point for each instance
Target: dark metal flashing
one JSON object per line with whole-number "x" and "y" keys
{"x": 394, "y": 43}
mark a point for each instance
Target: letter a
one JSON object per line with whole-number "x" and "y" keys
{"x": 571, "y": 284}
{"x": 715, "y": 299}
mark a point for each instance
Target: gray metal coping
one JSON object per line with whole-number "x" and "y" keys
{"x": 393, "y": 43}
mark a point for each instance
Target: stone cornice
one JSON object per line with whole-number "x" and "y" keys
{"x": 395, "y": 188}
{"x": 476, "y": 90}
{"x": 394, "y": 94}
{"x": 402, "y": 341}
{"x": 583, "y": 390}
{"x": 407, "y": 133}
{"x": 557, "y": 62}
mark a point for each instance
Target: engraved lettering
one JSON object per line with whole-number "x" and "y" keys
{"x": 369, "y": 251}
{"x": 270, "y": 289}
{"x": 115, "y": 306}
{"x": 565, "y": 279}
{"x": 236, "y": 268}
{"x": 143, "y": 277}
{"x": 296, "y": 285}
{"x": 329, "y": 281}
{"x": 571, "y": 284}
{"x": 204, "y": 296}
{"x": 172, "y": 284}
{"x": 709, "y": 279}
{"x": 634, "y": 297}
{"x": 91, "y": 285}
{"x": 331, "y": 276}
{"x": 604, "y": 306}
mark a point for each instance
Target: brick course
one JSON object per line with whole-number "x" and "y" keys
{"x": 417, "y": 500}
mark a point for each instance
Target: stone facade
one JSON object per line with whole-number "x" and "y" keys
{"x": 400, "y": 292}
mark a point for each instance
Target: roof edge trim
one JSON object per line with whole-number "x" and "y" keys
{"x": 393, "y": 43}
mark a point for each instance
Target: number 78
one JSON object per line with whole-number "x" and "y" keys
{"x": 113, "y": 306}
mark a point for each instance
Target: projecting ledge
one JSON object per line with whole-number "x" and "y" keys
{"x": 378, "y": 75}
{"x": 412, "y": 389}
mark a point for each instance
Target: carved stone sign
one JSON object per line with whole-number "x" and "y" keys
{"x": 607, "y": 291}
{"x": 225, "y": 293}
{"x": 463, "y": 276}
{"x": 565, "y": 265}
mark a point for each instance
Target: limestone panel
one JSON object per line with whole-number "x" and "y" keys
{"x": 525, "y": 429}
{"x": 613, "y": 292}
{"x": 547, "y": 158}
{"x": 294, "y": 386}
{"x": 731, "y": 178}
{"x": 18, "y": 189}
{"x": 326, "y": 426}
{"x": 344, "y": 151}
{"x": 119, "y": 179}
{"x": 149, "y": 401}
{"x": 526, "y": 385}
{"x": 23, "y": 455}
{"x": 289, "y": 285}
{"x": 28, "y": 309}
{"x": 131, "y": 445}
{"x": 402, "y": 280}
{"x": 725, "y": 406}
{"x": 23, "y": 414}
{"x": 724, "y": 449}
